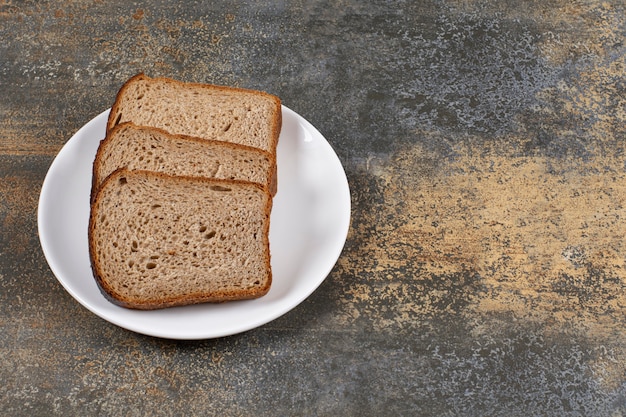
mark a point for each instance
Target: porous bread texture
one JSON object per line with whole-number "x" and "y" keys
{"x": 247, "y": 117}
{"x": 144, "y": 148}
{"x": 159, "y": 241}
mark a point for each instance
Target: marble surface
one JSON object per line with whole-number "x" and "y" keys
{"x": 484, "y": 272}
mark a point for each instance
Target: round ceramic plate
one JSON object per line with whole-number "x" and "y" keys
{"x": 309, "y": 225}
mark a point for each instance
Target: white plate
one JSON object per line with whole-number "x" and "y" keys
{"x": 309, "y": 225}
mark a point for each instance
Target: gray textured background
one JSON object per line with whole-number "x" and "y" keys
{"x": 484, "y": 273}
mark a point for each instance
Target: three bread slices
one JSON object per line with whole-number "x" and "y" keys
{"x": 182, "y": 194}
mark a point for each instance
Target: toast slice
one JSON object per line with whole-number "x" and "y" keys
{"x": 159, "y": 241}
{"x": 151, "y": 149}
{"x": 236, "y": 115}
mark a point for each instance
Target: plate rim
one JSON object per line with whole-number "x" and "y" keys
{"x": 344, "y": 218}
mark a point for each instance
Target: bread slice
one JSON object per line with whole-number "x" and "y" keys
{"x": 144, "y": 148}
{"x": 159, "y": 241}
{"x": 236, "y": 115}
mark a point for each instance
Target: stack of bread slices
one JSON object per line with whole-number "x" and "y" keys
{"x": 182, "y": 193}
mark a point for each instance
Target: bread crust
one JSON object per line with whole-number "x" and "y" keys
{"x": 187, "y": 299}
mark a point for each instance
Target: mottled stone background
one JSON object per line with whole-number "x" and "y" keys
{"x": 485, "y": 269}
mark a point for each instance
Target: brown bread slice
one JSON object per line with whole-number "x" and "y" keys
{"x": 144, "y": 148}
{"x": 236, "y": 115}
{"x": 158, "y": 241}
